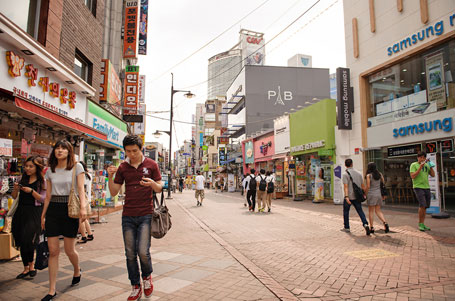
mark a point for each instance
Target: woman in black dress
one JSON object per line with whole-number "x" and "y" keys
{"x": 26, "y": 225}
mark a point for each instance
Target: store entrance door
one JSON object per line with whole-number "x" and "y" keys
{"x": 447, "y": 180}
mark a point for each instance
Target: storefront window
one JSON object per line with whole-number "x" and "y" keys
{"x": 420, "y": 85}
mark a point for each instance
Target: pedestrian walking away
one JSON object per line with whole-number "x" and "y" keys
{"x": 26, "y": 224}
{"x": 270, "y": 189}
{"x": 142, "y": 178}
{"x": 420, "y": 171}
{"x": 262, "y": 190}
{"x": 373, "y": 179}
{"x": 251, "y": 190}
{"x": 199, "y": 191}
{"x": 84, "y": 226}
{"x": 181, "y": 184}
{"x": 245, "y": 188}
{"x": 350, "y": 177}
{"x": 54, "y": 219}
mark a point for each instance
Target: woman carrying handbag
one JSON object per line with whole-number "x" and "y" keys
{"x": 31, "y": 192}
{"x": 55, "y": 220}
{"x": 374, "y": 195}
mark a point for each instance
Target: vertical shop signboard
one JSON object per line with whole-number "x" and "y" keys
{"x": 345, "y": 99}
{"x": 141, "y": 88}
{"x": 130, "y": 36}
{"x": 435, "y": 206}
{"x": 110, "y": 85}
{"x": 143, "y": 27}
{"x": 337, "y": 185}
{"x": 131, "y": 90}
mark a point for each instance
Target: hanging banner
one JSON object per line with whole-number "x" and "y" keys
{"x": 130, "y": 37}
{"x": 131, "y": 90}
{"x": 110, "y": 85}
{"x": 143, "y": 27}
{"x": 435, "y": 206}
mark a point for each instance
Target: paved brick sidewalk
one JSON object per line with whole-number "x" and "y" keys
{"x": 220, "y": 251}
{"x": 188, "y": 265}
{"x": 303, "y": 250}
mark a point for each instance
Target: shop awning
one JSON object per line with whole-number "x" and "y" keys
{"x": 263, "y": 159}
{"x": 58, "y": 119}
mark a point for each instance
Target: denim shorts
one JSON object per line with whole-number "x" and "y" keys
{"x": 423, "y": 197}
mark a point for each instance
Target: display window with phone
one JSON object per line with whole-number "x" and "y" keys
{"x": 419, "y": 85}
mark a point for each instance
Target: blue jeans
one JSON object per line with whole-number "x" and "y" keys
{"x": 358, "y": 207}
{"x": 136, "y": 237}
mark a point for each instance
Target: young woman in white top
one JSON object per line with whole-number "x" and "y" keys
{"x": 54, "y": 219}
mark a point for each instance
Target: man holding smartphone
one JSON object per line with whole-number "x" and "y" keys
{"x": 142, "y": 177}
{"x": 419, "y": 173}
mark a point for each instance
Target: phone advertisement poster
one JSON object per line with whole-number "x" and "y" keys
{"x": 435, "y": 206}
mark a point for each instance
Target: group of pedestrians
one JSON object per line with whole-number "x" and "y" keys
{"x": 373, "y": 188}
{"x": 43, "y": 194}
{"x": 261, "y": 186}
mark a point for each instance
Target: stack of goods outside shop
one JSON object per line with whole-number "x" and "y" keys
{"x": 312, "y": 141}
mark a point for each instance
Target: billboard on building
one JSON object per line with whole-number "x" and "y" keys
{"x": 273, "y": 91}
{"x": 253, "y": 50}
{"x": 131, "y": 90}
{"x": 130, "y": 36}
{"x": 345, "y": 99}
{"x": 143, "y": 27}
{"x": 110, "y": 85}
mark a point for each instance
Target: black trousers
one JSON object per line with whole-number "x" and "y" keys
{"x": 251, "y": 198}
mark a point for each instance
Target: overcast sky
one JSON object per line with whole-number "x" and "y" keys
{"x": 179, "y": 27}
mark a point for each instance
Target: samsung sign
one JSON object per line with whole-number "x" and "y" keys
{"x": 445, "y": 125}
{"x": 345, "y": 99}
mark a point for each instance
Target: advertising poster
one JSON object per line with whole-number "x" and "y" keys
{"x": 131, "y": 90}
{"x": 143, "y": 27}
{"x": 301, "y": 186}
{"x": 130, "y": 36}
{"x": 434, "y": 187}
{"x": 435, "y": 80}
{"x": 231, "y": 183}
{"x": 253, "y": 49}
{"x": 249, "y": 152}
{"x": 6, "y": 147}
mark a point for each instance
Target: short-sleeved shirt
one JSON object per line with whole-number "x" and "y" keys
{"x": 258, "y": 179}
{"x": 421, "y": 181}
{"x": 269, "y": 179}
{"x": 62, "y": 178}
{"x": 200, "y": 182}
{"x": 138, "y": 198}
{"x": 358, "y": 179}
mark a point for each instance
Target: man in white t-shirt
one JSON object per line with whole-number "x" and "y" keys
{"x": 200, "y": 181}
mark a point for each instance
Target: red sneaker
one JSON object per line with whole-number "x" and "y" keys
{"x": 148, "y": 286}
{"x": 136, "y": 293}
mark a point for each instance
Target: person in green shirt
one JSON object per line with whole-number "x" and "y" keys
{"x": 419, "y": 173}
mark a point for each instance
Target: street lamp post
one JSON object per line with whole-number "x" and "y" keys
{"x": 188, "y": 94}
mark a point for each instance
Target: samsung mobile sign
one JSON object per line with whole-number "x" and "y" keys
{"x": 344, "y": 99}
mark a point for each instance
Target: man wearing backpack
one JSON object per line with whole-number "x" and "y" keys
{"x": 270, "y": 189}
{"x": 350, "y": 177}
{"x": 251, "y": 190}
{"x": 262, "y": 190}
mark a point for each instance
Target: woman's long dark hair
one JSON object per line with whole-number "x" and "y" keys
{"x": 372, "y": 169}
{"x": 87, "y": 174}
{"x": 70, "y": 160}
{"x": 39, "y": 164}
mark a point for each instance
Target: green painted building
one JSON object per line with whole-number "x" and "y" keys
{"x": 312, "y": 133}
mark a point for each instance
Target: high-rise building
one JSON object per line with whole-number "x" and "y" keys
{"x": 224, "y": 67}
